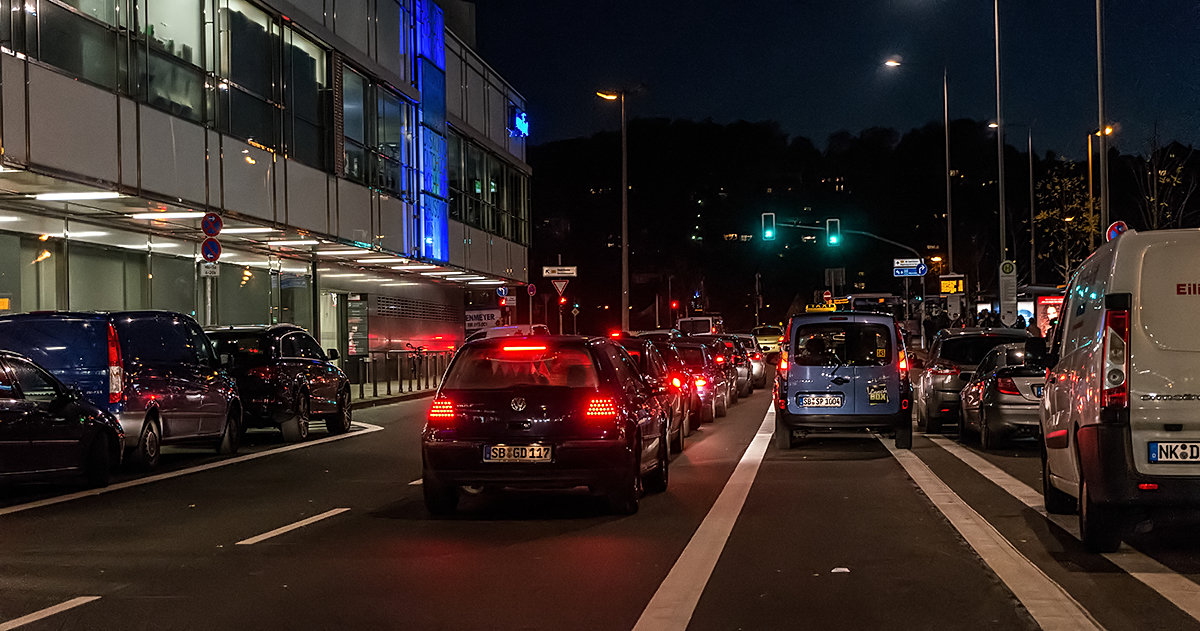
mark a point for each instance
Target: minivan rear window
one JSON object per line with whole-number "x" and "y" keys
{"x": 58, "y": 344}
{"x": 766, "y": 331}
{"x": 837, "y": 343}
{"x": 969, "y": 350}
{"x": 697, "y": 326}
{"x": 513, "y": 365}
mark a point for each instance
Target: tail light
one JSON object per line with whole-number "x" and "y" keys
{"x": 116, "y": 374}
{"x": 266, "y": 373}
{"x": 1116, "y": 359}
{"x": 676, "y": 382}
{"x": 945, "y": 369}
{"x": 441, "y": 413}
{"x": 601, "y": 409}
{"x": 783, "y": 364}
{"x": 902, "y": 363}
{"x": 701, "y": 382}
{"x": 758, "y": 357}
{"x": 1007, "y": 386}
{"x": 720, "y": 359}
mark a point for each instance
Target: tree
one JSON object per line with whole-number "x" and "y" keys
{"x": 1065, "y": 221}
{"x": 1166, "y": 180}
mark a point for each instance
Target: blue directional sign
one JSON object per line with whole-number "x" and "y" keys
{"x": 502, "y": 291}
{"x": 919, "y": 270}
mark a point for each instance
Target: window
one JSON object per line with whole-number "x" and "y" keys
{"x": 6, "y": 385}
{"x": 305, "y": 92}
{"x": 301, "y": 345}
{"x": 248, "y": 67}
{"x": 35, "y": 383}
{"x": 454, "y": 171}
{"x": 834, "y": 344}
{"x": 393, "y": 141}
{"x": 495, "y": 368}
{"x": 200, "y": 346}
{"x": 354, "y": 125}
{"x": 153, "y": 340}
{"x": 78, "y": 45}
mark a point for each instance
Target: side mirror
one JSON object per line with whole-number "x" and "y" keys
{"x": 333, "y": 354}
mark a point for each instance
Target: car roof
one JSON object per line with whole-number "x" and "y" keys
{"x": 90, "y": 315}
{"x": 980, "y": 331}
{"x": 273, "y": 329}
{"x": 861, "y": 316}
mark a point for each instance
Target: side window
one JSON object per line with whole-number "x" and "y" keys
{"x": 657, "y": 367}
{"x": 200, "y": 345}
{"x": 7, "y": 391}
{"x": 35, "y": 383}
{"x": 153, "y": 340}
{"x": 308, "y": 347}
{"x": 626, "y": 372}
{"x": 988, "y": 364}
{"x": 289, "y": 346}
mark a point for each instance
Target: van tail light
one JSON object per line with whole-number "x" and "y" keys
{"x": 441, "y": 413}
{"x": 116, "y": 374}
{"x": 783, "y": 364}
{"x": 944, "y": 369}
{"x": 1007, "y": 386}
{"x": 902, "y": 364}
{"x": 601, "y": 409}
{"x": 1116, "y": 359}
{"x": 677, "y": 382}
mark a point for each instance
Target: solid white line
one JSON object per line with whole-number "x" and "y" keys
{"x": 47, "y": 612}
{"x": 50, "y": 501}
{"x": 1049, "y": 604}
{"x": 290, "y": 527}
{"x": 1178, "y": 589}
{"x": 675, "y": 601}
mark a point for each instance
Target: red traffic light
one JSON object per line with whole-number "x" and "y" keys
{"x": 674, "y": 304}
{"x": 562, "y": 300}
{"x": 504, "y": 301}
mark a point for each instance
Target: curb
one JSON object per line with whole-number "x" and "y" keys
{"x": 388, "y": 400}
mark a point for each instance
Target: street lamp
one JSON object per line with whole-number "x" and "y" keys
{"x": 615, "y": 96}
{"x": 999, "y": 135}
{"x": 1108, "y": 130}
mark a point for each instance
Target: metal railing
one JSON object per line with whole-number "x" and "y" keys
{"x": 399, "y": 370}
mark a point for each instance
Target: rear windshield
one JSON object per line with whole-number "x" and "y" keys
{"x": 969, "y": 351}
{"x": 697, "y": 326}
{"x": 766, "y": 331}
{"x": 842, "y": 343}
{"x": 58, "y": 344}
{"x": 692, "y": 357}
{"x": 508, "y": 366}
{"x": 246, "y": 348}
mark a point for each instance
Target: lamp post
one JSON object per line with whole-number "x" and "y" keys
{"x": 1103, "y": 225}
{"x": 1101, "y": 124}
{"x": 1000, "y": 135}
{"x": 620, "y": 96}
{"x": 1032, "y": 206}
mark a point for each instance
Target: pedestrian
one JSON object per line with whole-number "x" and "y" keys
{"x": 1020, "y": 323}
{"x": 1033, "y": 328}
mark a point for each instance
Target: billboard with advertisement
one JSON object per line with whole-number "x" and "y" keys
{"x": 1048, "y": 309}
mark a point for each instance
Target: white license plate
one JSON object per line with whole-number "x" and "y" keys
{"x": 821, "y": 401}
{"x": 1174, "y": 452}
{"x": 516, "y": 453}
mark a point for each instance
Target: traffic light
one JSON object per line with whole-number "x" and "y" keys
{"x": 833, "y": 232}
{"x": 768, "y": 227}
{"x": 504, "y": 301}
{"x": 674, "y": 304}
{"x": 562, "y": 300}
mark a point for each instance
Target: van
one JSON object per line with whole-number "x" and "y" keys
{"x": 842, "y": 371}
{"x": 701, "y": 325}
{"x": 1120, "y": 417}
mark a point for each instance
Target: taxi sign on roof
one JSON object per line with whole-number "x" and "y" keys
{"x": 821, "y": 308}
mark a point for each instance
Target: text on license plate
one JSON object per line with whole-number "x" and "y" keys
{"x": 1174, "y": 452}
{"x": 821, "y": 401}
{"x": 516, "y": 453}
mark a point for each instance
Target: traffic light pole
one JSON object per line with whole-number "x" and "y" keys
{"x": 800, "y": 226}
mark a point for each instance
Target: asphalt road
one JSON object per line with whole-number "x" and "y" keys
{"x": 839, "y": 533}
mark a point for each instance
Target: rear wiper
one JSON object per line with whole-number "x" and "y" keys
{"x": 840, "y": 363}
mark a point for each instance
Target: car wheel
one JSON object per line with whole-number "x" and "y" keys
{"x": 709, "y": 412}
{"x": 988, "y": 440}
{"x": 680, "y": 432}
{"x": 295, "y": 429}
{"x": 722, "y": 406}
{"x": 732, "y": 396}
{"x": 231, "y": 436}
{"x": 440, "y": 499}
{"x": 932, "y": 425}
{"x": 1099, "y": 525}
{"x": 1057, "y": 502}
{"x": 148, "y": 450}
{"x": 657, "y": 482}
{"x": 964, "y": 435}
{"x": 623, "y": 500}
{"x": 339, "y": 422}
{"x": 783, "y": 435}
{"x": 97, "y": 469}
{"x": 748, "y": 390}
{"x": 904, "y": 433}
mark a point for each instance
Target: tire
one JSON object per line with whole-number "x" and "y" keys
{"x": 904, "y": 434}
{"x": 657, "y": 482}
{"x": 708, "y": 412}
{"x": 295, "y": 429}
{"x": 148, "y": 451}
{"x": 964, "y": 432}
{"x": 97, "y": 468}
{"x": 748, "y": 390}
{"x": 988, "y": 439}
{"x": 624, "y": 498}
{"x": 1056, "y": 501}
{"x": 680, "y": 433}
{"x": 231, "y": 436}
{"x": 440, "y": 499}
{"x": 783, "y": 435}
{"x": 932, "y": 425}
{"x": 339, "y": 422}
{"x": 1100, "y": 526}
{"x": 722, "y": 408}
{"x": 732, "y": 396}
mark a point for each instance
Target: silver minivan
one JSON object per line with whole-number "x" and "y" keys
{"x": 1120, "y": 417}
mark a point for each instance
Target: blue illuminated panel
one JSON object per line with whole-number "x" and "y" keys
{"x": 434, "y": 178}
{"x": 435, "y": 232}
{"x": 518, "y": 122}
{"x": 431, "y": 43}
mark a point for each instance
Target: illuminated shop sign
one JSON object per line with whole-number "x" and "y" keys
{"x": 518, "y": 125}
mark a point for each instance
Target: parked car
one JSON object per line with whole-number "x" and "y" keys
{"x": 710, "y": 379}
{"x": 952, "y": 360}
{"x": 1120, "y": 416}
{"x": 510, "y": 330}
{"x": 758, "y": 361}
{"x": 843, "y": 371}
{"x": 680, "y": 377}
{"x": 1001, "y": 399}
{"x": 155, "y": 371}
{"x": 770, "y": 340}
{"x": 48, "y": 430}
{"x": 657, "y": 374}
{"x": 544, "y": 412}
{"x": 284, "y": 378}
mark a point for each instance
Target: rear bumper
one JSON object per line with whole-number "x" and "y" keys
{"x": 943, "y": 404}
{"x": 1014, "y": 419}
{"x": 595, "y": 463}
{"x": 1106, "y": 459}
{"x": 838, "y": 422}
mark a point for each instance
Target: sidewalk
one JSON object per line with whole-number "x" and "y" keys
{"x": 377, "y": 394}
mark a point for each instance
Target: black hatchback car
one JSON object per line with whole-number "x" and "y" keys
{"x": 49, "y": 430}
{"x": 656, "y": 371}
{"x": 544, "y": 412}
{"x": 284, "y": 378}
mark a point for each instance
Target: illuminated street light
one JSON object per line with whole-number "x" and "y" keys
{"x": 892, "y": 63}
{"x": 613, "y": 96}
{"x": 608, "y": 96}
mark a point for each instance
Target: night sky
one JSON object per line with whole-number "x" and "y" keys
{"x": 816, "y": 66}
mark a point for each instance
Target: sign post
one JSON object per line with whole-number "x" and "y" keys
{"x": 531, "y": 289}
{"x": 1008, "y": 292}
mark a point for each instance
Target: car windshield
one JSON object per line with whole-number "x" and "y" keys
{"x": 850, "y": 343}
{"x": 246, "y": 348}
{"x": 969, "y": 350}
{"x": 512, "y": 365}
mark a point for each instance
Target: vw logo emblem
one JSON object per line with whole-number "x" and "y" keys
{"x": 518, "y": 404}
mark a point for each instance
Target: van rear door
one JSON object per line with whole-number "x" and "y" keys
{"x": 872, "y": 352}
{"x": 819, "y": 379}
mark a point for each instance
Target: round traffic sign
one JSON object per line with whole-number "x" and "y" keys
{"x": 1116, "y": 229}
{"x": 827, "y": 296}
{"x": 210, "y": 249}
{"x": 1008, "y": 267}
{"x": 212, "y": 224}
{"x": 531, "y": 289}
{"x": 502, "y": 291}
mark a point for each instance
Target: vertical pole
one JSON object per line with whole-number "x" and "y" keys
{"x": 1091, "y": 197}
{"x": 1102, "y": 123}
{"x": 946, "y": 133}
{"x": 656, "y": 299}
{"x": 1000, "y": 136}
{"x": 907, "y": 297}
{"x": 1032, "y": 213}
{"x": 624, "y": 221}
{"x": 530, "y": 307}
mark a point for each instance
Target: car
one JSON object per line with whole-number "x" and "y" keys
{"x": 711, "y": 380}
{"x": 659, "y": 334}
{"x": 682, "y": 380}
{"x": 769, "y": 339}
{"x": 723, "y": 356}
{"x": 1120, "y": 416}
{"x": 544, "y": 412}
{"x": 842, "y": 371}
{"x": 738, "y": 357}
{"x": 952, "y": 360}
{"x": 758, "y": 362}
{"x": 696, "y": 325}
{"x": 1002, "y": 398}
{"x": 509, "y": 331}
{"x": 49, "y": 431}
{"x": 155, "y": 371}
{"x": 284, "y": 378}
{"x": 657, "y": 372}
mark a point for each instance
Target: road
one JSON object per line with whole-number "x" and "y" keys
{"x": 839, "y": 533}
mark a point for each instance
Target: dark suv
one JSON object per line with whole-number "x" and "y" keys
{"x": 154, "y": 370}
{"x": 284, "y": 378}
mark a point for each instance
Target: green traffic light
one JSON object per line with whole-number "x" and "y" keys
{"x": 769, "y": 234}
{"x": 833, "y": 239}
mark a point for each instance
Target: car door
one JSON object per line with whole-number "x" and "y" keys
{"x": 1058, "y": 400}
{"x": 972, "y": 393}
{"x": 203, "y": 383}
{"x": 323, "y": 378}
{"x": 871, "y": 351}
{"x": 637, "y": 399}
{"x": 14, "y": 426}
{"x": 56, "y": 436}
{"x": 819, "y": 380}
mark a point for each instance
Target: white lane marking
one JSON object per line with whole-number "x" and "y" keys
{"x": 1180, "y": 590}
{"x": 290, "y": 527}
{"x": 675, "y": 601}
{"x": 417, "y": 482}
{"x": 50, "y": 501}
{"x": 47, "y": 612}
{"x": 1049, "y": 604}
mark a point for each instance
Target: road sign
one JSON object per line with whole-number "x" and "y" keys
{"x": 560, "y": 285}
{"x": 211, "y": 224}
{"x": 906, "y": 262}
{"x": 210, "y": 249}
{"x": 1008, "y": 292}
{"x": 560, "y": 271}
{"x": 210, "y": 270}
{"x": 502, "y": 291}
{"x": 909, "y": 271}
{"x": 575, "y": 311}
{"x": 827, "y": 296}
{"x": 531, "y": 289}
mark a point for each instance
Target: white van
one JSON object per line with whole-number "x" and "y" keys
{"x": 701, "y": 325}
{"x": 1120, "y": 417}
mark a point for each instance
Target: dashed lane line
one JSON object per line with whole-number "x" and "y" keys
{"x": 1050, "y": 605}
{"x": 290, "y": 527}
{"x": 366, "y": 428}
{"x": 47, "y": 612}
{"x": 672, "y": 606}
{"x": 1180, "y": 590}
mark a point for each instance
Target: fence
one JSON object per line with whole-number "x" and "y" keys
{"x": 404, "y": 371}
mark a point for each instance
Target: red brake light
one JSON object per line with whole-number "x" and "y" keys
{"x": 1007, "y": 386}
{"x": 720, "y": 359}
{"x": 116, "y": 375}
{"x": 902, "y": 364}
{"x": 602, "y": 408}
{"x": 441, "y": 411}
{"x": 524, "y": 348}
{"x": 675, "y": 381}
{"x": 757, "y": 356}
{"x": 266, "y": 373}
{"x": 783, "y": 365}
{"x": 1115, "y": 379}
{"x": 1148, "y": 486}
{"x": 701, "y": 382}
{"x": 615, "y": 334}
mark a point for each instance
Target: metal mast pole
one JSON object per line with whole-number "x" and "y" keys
{"x": 1032, "y": 213}
{"x": 1103, "y": 161}
{"x": 946, "y": 133}
{"x": 624, "y": 221}
{"x": 1000, "y": 137}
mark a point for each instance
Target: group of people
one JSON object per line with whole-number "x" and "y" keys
{"x": 985, "y": 318}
